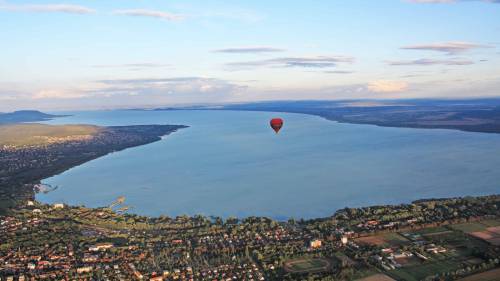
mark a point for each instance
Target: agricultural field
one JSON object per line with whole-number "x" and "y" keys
{"x": 384, "y": 240}
{"x": 470, "y": 227}
{"x": 460, "y": 249}
{"x": 361, "y": 274}
{"x": 490, "y": 235}
{"x": 491, "y": 223}
{"x": 308, "y": 265}
{"x": 420, "y": 271}
{"x": 42, "y": 134}
{"x": 432, "y": 230}
{"x": 488, "y": 230}
{"x": 377, "y": 277}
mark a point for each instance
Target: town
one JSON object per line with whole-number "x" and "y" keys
{"x": 441, "y": 239}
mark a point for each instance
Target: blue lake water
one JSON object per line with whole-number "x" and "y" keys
{"x": 231, "y": 163}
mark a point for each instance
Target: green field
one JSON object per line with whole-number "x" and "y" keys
{"x": 491, "y": 223}
{"x": 419, "y": 272}
{"x": 476, "y": 226}
{"x": 432, "y": 230}
{"x": 307, "y": 265}
{"x": 460, "y": 249}
{"x": 41, "y": 134}
{"x": 469, "y": 227}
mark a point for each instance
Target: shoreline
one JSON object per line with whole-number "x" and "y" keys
{"x": 305, "y": 220}
{"x": 47, "y": 161}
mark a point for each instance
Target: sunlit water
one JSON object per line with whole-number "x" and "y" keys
{"x": 231, "y": 163}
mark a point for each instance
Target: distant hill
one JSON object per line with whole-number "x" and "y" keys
{"x": 25, "y": 116}
{"x": 473, "y": 115}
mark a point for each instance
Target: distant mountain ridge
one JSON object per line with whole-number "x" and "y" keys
{"x": 25, "y": 116}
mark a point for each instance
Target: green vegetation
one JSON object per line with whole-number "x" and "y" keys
{"x": 421, "y": 271}
{"x": 491, "y": 223}
{"x": 41, "y": 134}
{"x": 470, "y": 227}
{"x": 107, "y": 244}
{"x": 307, "y": 265}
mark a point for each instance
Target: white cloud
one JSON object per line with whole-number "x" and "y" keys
{"x": 303, "y": 62}
{"x": 57, "y": 94}
{"x": 149, "y": 13}
{"x": 426, "y": 62}
{"x": 47, "y": 8}
{"x": 447, "y": 47}
{"x": 249, "y": 50}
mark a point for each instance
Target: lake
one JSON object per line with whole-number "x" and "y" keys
{"x": 230, "y": 163}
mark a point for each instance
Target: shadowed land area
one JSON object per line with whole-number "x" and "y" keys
{"x": 32, "y": 152}
{"x": 474, "y": 115}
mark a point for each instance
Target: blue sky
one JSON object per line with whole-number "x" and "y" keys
{"x": 110, "y": 54}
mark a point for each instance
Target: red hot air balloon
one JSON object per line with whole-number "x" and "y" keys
{"x": 276, "y": 124}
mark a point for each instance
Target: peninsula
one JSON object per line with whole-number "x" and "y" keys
{"x": 32, "y": 152}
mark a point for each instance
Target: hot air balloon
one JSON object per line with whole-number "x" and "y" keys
{"x": 276, "y": 124}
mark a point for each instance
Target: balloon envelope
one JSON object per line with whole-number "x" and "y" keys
{"x": 276, "y": 124}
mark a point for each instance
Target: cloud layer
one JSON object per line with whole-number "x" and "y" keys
{"x": 425, "y": 62}
{"x": 450, "y": 48}
{"x": 304, "y": 62}
{"x": 48, "y": 8}
{"x": 249, "y": 50}
{"x": 171, "y": 85}
{"x": 149, "y": 13}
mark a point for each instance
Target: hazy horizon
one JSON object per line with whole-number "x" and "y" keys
{"x": 79, "y": 54}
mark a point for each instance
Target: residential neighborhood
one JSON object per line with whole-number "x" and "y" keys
{"x": 54, "y": 242}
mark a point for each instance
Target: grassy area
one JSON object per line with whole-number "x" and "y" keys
{"x": 41, "y": 134}
{"x": 419, "y": 272}
{"x": 376, "y": 277}
{"x": 491, "y": 223}
{"x": 469, "y": 227}
{"x": 384, "y": 240}
{"x": 432, "y": 230}
{"x": 307, "y": 265}
{"x": 460, "y": 248}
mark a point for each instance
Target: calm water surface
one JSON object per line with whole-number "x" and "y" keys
{"x": 231, "y": 163}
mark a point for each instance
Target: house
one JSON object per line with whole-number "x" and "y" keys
{"x": 314, "y": 244}
{"x": 58, "y": 206}
{"x": 85, "y": 269}
{"x": 344, "y": 240}
{"x": 138, "y": 275}
{"x": 101, "y": 247}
